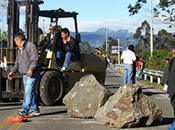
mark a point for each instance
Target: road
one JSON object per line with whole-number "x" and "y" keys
{"x": 56, "y": 117}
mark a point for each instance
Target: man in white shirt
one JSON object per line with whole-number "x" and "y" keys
{"x": 128, "y": 57}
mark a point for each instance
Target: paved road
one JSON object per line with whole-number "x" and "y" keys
{"x": 56, "y": 117}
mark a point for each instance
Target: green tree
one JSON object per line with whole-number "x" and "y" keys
{"x": 157, "y": 61}
{"x": 164, "y": 40}
{"x": 127, "y": 44}
{"x": 138, "y": 48}
{"x": 164, "y": 10}
{"x": 3, "y": 36}
{"x": 143, "y": 35}
{"x": 59, "y": 27}
{"x": 145, "y": 55}
{"x": 112, "y": 42}
{"x": 103, "y": 48}
{"x": 85, "y": 48}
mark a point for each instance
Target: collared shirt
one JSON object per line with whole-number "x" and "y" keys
{"x": 20, "y": 48}
{"x": 128, "y": 57}
{"x": 27, "y": 59}
{"x": 51, "y": 36}
{"x": 68, "y": 39}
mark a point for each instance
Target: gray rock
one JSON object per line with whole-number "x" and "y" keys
{"x": 86, "y": 97}
{"x": 129, "y": 107}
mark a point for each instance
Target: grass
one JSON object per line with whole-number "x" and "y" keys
{"x": 155, "y": 85}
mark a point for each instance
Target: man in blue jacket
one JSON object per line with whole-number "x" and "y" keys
{"x": 27, "y": 62}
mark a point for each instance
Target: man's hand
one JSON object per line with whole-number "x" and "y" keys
{"x": 10, "y": 75}
{"x": 29, "y": 73}
{"x": 64, "y": 41}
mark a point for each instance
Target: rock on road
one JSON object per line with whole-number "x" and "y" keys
{"x": 56, "y": 117}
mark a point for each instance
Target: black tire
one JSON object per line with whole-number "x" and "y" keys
{"x": 52, "y": 88}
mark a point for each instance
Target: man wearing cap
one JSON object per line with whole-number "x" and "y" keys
{"x": 128, "y": 57}
{"x": 52, "y": 40}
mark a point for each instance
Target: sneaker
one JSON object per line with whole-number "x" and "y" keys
{"x": 63, "y": 69}
{"x": 171, "y": 128}
{"x": 33, "y": 113}
{"x": 22, "y": 113}
{"x": 172, "y": 124}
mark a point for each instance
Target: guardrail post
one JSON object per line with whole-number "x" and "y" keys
{"x": 145, "y": 76}
{"x": 158, "y": 74}
{"x": 0, "y": 84}
{"x": 151, "y": 79}
{"x": 158, "y": 80}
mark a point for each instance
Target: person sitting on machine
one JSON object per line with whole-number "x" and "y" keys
{"x": 68, "y": 51}
{"x": 97, "y": 51}
{"x": 50, "y": 42}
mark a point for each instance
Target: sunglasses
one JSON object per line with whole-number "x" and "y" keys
{"x": 50, "y": 29}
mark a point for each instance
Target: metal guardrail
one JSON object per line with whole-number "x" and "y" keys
{"x": 157, "y": 73}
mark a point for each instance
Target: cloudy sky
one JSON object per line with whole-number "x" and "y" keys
{"x": 95, "y": 14}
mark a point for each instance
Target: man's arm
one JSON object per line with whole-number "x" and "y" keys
{"x": 98, "y": 51}
{"x": 72, "y": 45}
{"x": 10, "y": 75}
{"x": 33, "y": 55}
{"x": 16, "y": 66}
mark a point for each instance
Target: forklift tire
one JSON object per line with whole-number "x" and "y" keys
{"x": 52, "y": 88}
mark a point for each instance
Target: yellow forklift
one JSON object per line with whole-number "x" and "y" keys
{"x": 53, "y": 84}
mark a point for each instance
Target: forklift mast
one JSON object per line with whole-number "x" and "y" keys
{"x": 14, "y": 89}
{"x": 31, "y": 24}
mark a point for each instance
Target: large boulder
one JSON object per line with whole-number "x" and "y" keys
{"x": 129, "y": 107}
{"x": 86, "y": 97}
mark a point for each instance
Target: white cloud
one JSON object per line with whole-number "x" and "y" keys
{"x": 111, "y": 2}
{"x": 90, "y": 26}
{"x": 156, "y": 1}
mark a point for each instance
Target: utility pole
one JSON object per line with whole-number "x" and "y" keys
{"x": 2, "y": 23}
{"x": 118, "y": 51}
{"x": 151, "y": 28}
{"x": 43, "y": 27}
{"x": 106, "y": 40}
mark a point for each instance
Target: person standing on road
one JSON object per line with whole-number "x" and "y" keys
{"x": 128, "y": 57}
{"x": 165, "y": 75}
{"x": 108, "y": 60}
{"x": 27, "y": 62}
{"x": 113, "y": 62}
{"x": 141, "y": 65}
{"x": 137, "y": 57}
{"x": 171, "y": 86}
{"x": 134, "y": 70}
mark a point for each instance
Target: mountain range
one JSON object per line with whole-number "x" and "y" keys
{"x": 98, "y": 38}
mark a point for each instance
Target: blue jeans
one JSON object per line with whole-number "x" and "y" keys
{"x": 140, "y": 74}
{"x": 66, "y": 57}
{"x": 127, "y": 73}
{"x": 30, "y": 100}
{"x": 108, "y": 65}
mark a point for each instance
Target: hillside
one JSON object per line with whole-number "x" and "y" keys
{"x": 97, "y": 38}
